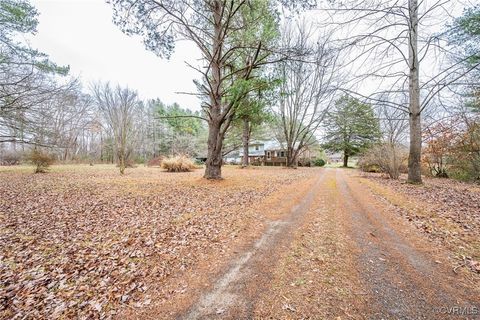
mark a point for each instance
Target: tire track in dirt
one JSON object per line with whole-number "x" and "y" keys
{"x": 402, "y": 281}
{"x": 392, "y": 267}
{"x": 316, "y": 276}
{"x": 231, "y": 296}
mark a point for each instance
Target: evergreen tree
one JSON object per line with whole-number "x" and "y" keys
{"x": 351, "y": 126}
{"x": 465, "y": 36}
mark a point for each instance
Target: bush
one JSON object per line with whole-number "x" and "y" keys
{"x": 453, "y": 150}
{"x": 42, "y": 161}
{"x": 300, "y": 162}
{"x": 366, "y": 163}
{"x": 10, "y": 159}
{"x": 200, "y": 161}
{"x": 319, "y": 162}
{"x": 466, "y": 154}
{"x": 178, "y": 164}
{"x": 465, "y": 167}
{"x": 385, "y": 158}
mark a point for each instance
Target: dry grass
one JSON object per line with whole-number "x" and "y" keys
{"x": 178, "y": 164}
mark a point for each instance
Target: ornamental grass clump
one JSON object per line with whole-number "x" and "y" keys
{"x": 179, "y": 163}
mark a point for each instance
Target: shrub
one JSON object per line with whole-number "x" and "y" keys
{"x": 178, "y": 164}
{"x": 466, "y": 154}
{"x": 319, "y": 162}
{"x": 200, "y": 161}
{"x": 465, "y": 166}
{"x": 453, "y": 150}
{"x": 439, "y": 139}
{"x": 42, "y": 161}
{"x": 10, "y": 159}
{"x": 385, "y": 158}
{"x": 367, "y": 163}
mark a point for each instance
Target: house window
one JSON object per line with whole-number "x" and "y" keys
{"x": 269, "y": 155}
{"x": 256, "y": 148}
{"x": 282, "y": 154}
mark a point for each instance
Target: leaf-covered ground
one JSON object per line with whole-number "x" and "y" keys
{"x": 84, "y": 242}
{"x": 447, "y": 211}
{"x": 342, "y": 251}
{"x": 317, "y": 276}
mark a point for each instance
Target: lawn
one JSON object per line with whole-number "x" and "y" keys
{"x": 351, "y": 164}
{"x": 82, "y": 241}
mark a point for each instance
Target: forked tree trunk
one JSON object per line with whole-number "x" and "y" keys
{"x": 245, "y": 141}
{"x": 291, "y": 157}
{"x": 213, "y": 169}
{"x": 414, "y": 158}
{"x": 345, "y": 159}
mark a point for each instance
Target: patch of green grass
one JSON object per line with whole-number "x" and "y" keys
{"x": 351, "y": 165}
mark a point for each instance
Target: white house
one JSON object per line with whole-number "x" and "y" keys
{"x": 271, "y": 153}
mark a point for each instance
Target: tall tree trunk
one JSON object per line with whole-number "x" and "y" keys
{"x": 414, "y": 166}
{"x": 101, "y": 147}
{"x": 14, "y": 143}
{"x": 154, "y": 127}
{"x": 345, "y": 159}
{"x": 213, "y": 169}
{"x": 22, "y": 135}
{"x": 121, "y": 161}
{"x": 291, "y": 157}
{"x": 394, "y": 167}
{"x": 245, "y": 141}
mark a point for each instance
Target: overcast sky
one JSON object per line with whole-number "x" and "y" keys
{"x": 80, "y": 33}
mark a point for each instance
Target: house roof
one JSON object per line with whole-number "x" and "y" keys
{"x": 268, "y": 145}
{"x": 275, "y": 145}
{"x": 272, "y": 145}
{"x": 256, "y": 143}
{"x": 253, "y": 153}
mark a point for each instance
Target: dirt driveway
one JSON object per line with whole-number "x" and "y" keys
{"x": 339, "y": 254}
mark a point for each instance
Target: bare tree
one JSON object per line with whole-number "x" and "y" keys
{"x": 234, "y": 38}
{"x": 394, "y": 38}
{"x": 27, "y": 76}
{"x": 118, "y": 106}
{"x": 23, "y": 105}
{"x": 391, "y": 153}
{"x": 308, "y": 88}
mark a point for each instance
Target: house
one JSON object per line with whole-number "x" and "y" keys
{"x": 334, "y": 157}
{"x": 232, "y": 158}
{"x": 273, "y": 153}
{"x": 256, "y": 152}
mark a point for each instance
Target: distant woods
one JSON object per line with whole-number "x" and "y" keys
{"x": 290, "y": 71}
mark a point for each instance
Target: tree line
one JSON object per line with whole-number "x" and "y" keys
{"x": 369, "y": 73}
